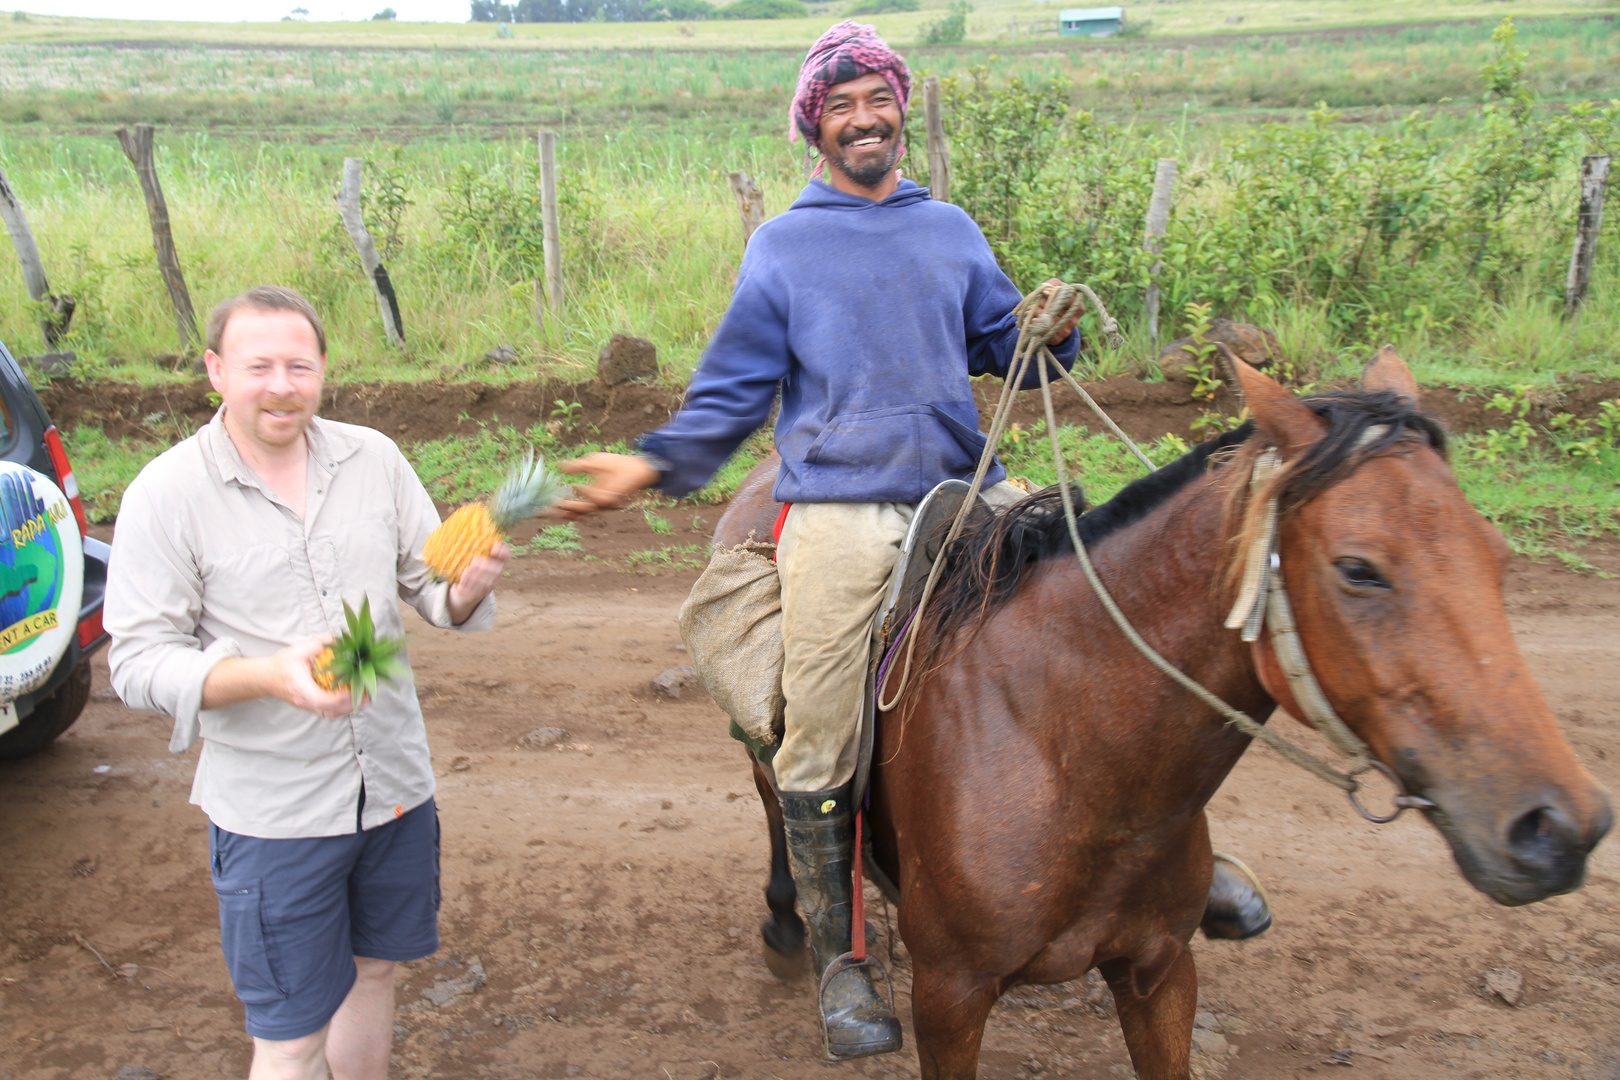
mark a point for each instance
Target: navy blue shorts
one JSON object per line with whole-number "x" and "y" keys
{"x": 293, "y": 914}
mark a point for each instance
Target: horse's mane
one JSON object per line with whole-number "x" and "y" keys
{"x": 989, "y": 562}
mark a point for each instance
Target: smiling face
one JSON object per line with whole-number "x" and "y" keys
{"x": 269, "y": 370}
{"x": 860, "y": 131}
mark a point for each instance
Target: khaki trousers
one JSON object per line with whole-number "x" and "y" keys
{"x": 834, "y": 562}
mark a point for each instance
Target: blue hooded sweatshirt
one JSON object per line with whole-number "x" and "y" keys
{"x": 871, "y": 316}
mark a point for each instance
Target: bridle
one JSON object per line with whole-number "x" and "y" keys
{"x": 1263, "y": 603}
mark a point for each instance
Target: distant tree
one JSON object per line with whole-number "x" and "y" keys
{"x": 765, "y": 9}
{"x": 298, "y": 13}
{"x": 883, "y": 7}
{"x": 492, "y": 11}
{"x": 682, "y": 9}
{"x": 951, "y": 29}
{"x": 387, "y": 14}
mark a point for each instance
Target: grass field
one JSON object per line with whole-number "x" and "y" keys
{"x": 252, "y": 139}
{"x": 988, "y": 24}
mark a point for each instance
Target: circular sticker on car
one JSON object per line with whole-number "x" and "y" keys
{"x": 41, "y": 578}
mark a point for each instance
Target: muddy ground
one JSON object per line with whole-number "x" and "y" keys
{"x": 412, "y": 412}
{"x": 602, "y": 896}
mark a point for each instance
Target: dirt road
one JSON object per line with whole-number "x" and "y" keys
{"x": 602, "y": 896}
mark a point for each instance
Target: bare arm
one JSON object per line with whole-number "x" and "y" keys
{"x": 285, "y": 675}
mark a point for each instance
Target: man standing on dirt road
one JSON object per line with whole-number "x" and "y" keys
{"x": 233, "y": 556}
{"x": 870, "y": 305}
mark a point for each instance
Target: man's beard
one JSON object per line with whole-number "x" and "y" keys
{"x": 869, "y": 175}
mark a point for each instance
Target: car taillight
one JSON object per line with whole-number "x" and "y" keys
{"x": 64, "y": 476}
{"x": 90, "y": 629}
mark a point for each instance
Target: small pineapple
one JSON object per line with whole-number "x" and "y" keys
{"x": 476, "y": 528}
{"x": 358, "y": 659}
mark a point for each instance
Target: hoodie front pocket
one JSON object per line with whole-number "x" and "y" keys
{"x": 871, "y": 438}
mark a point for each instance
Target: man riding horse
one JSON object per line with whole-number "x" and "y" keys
{"x": 871, "y": 306}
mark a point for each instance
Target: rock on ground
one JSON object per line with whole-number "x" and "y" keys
{"x": 625, "y": 358}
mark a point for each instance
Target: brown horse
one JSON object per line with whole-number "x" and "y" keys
{"x": 1039, "y": 794}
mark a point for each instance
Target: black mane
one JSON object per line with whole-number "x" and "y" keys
{"x": 987, "y": 564}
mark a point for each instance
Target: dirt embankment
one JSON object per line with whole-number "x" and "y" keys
{"x": 414, "y": 412}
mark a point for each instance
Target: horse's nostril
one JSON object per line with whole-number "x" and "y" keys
{"x": 1531, "y": 830}
{"x": 1547, "y": 845}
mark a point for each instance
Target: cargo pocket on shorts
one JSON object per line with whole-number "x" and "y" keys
{"x": 437, "y": 837}
{"x": 248, "y": 954}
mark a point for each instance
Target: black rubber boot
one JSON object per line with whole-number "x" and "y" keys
{"x": 821, "y": 847}
{"x": 1236, "y": 908}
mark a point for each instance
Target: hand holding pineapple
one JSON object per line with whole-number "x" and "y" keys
{"x": 357, "y": 660}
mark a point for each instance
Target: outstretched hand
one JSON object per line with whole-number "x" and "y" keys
{"x": 614, "y": 478}
{"x": 1061, "y": 332}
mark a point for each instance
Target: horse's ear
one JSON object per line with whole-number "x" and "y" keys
{"x": 1387, "y": 371}
{"x": 1276, "y": 411}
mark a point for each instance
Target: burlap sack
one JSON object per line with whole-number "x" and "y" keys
{"x": 731, "y": 625}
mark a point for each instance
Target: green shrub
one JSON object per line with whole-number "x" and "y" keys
{"x": 883, "y": 7}
{"x": 684, "y": 9}
{"x": 949, "y": 30}
{"x": 765, "y": 9}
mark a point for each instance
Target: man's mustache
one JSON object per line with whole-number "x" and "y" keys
{"x": 880, "y": 129}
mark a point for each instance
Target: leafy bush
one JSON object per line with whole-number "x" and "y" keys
{"x": 765, "y": 9}
{"x": 949, "y": 30}
{"x": 1375, "y": 232}
{"x": 495, "y": 216}
{"x": 883, "y": 7}
{"x": 684, "y": 9}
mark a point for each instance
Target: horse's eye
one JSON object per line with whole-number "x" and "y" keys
{"x": 1360, "y": 574}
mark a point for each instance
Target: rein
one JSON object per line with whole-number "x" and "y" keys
{"x": 1262, "y": 599}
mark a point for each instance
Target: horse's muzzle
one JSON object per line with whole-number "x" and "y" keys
{"x": 1541, "y": 853}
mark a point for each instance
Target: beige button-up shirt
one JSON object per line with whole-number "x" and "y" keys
{"x": 207, "y": 563}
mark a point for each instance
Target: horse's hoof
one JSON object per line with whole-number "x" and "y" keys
{"x": 1236, "y": 908}
{"x": 784, "y": 950}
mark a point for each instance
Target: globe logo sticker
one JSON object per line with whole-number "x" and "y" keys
{"x": 41, "y": 578}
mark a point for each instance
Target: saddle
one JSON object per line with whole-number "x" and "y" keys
{"x": 924, "y": 543}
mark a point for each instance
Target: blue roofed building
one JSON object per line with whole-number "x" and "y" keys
{"x": 1090, "y": 22}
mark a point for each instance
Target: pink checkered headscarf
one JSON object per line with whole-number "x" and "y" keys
{"x": 847, "y": 51}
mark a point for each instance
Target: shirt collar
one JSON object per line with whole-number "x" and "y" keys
{"x": 328, "y": 446}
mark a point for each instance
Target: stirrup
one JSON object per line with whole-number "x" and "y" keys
{"x": 837, "y": 966}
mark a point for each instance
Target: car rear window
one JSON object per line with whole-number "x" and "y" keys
{"x": 8, "y": 431}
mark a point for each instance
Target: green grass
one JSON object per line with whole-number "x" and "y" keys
{"x": 1547, "y": 503}
{"x": 252, "y": 142}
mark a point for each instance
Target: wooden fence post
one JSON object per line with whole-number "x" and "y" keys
{"x": 550, "y": 238}
{"x": 138, "y": 148}
{"x": 1158, "y": 219}
{"x": 54, "y": 323}
{"x": 1594, "y": 177}
{"x": 939, "y": 155}
{"x": 750, "y": 203}
{"x": 348, "y": 204}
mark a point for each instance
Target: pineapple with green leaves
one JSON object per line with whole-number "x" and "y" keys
{"x": 358, "y": 660}
{"x": 476, "y": 528}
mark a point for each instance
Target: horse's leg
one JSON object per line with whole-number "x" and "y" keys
{"x": 1158, "y": 1026}
{"x": 948, "y": 1011}
{"x": 784, "y": 930}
